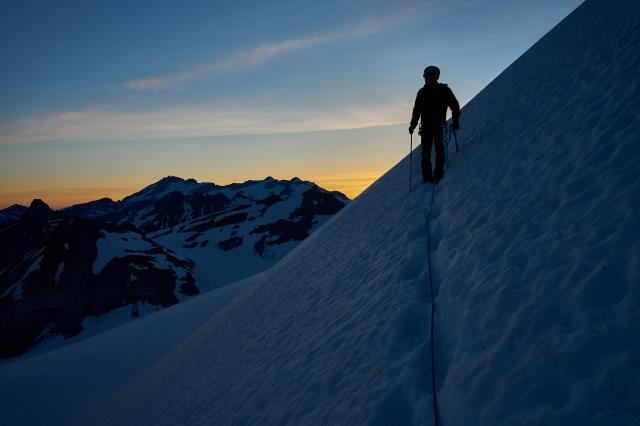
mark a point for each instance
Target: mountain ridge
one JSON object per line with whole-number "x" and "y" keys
{"x": 172, "y": 240}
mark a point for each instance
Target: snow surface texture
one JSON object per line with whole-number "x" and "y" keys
{"x": 535, "y": 244}
{"x": 59, "y": 386}
{"x": 539, "y": 263}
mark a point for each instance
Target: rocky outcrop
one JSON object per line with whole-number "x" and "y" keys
{"x": 49, "y": 281}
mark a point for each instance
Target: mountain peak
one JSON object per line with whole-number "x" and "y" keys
{"x": 12, "y": 213}
{"x": 170, "y": 179}
{"x": 14, "y": 209}
{"x": 38, "y": 205}
{"x": 163, "y": 186}
{"x": 16, "y": 206}
{"x": 38, "y": 210}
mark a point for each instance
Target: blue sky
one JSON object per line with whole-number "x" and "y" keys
{"x": 100, "y": 98}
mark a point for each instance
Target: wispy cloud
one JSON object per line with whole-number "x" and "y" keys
{"x": 101, "y": 124}
{"x": 105, "y": 123}
{"x": 259, "y": 55}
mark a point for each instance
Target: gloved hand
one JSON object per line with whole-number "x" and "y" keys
{"x": 411, "y": 129}
{"x": 455, "y": 127}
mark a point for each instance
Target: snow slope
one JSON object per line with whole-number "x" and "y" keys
{"x": 535, "y": 241}
{"x": 59, "y": 386}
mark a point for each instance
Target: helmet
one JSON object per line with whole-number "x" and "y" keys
{"x": 431, "y": 73}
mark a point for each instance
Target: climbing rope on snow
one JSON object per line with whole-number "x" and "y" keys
{"x": 436, "y": 410}
{"x": 433, "y": 312}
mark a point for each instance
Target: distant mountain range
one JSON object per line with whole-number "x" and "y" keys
{"x": 11, "y": 214}
{"x": 60, "y": 270}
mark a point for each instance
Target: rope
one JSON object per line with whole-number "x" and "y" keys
{"x": 436, "y": 410}
{"x": 433, "y": 313}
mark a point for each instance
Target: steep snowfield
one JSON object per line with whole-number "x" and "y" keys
{"x": 539, "y": 261}
{"x": 535, "y": 241}
{"x": 335, "y": 335}
{"x": 59, "y": 386}
{"x": 535, "y": 260}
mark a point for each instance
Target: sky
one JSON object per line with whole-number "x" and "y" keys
{"x": 99, "y": 99}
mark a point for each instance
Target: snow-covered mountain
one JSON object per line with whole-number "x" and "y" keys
{"x": 230, "y": 231}
{"x": 11, "y": 214}
{"x": 172, "y": 201}
{"x": 59, "y": 271}
{"x": 532, "y": 246}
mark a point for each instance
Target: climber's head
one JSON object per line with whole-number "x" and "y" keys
{"x": 431, "y": 74}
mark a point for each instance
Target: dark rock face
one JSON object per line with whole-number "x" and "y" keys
{"x": 170, "y": 209}
{"x": 188, "y": 286}
{"x": 279, "y": 232}
{"x": 149, "y": 213}
{"x": 269, "y": 201}
{"x": 315, "y": 202}
{"x": 230, "y": 243}
{"x": 11, "y": 215}
{"x": 214, "y": 222}
{"x": 47, "y": 282}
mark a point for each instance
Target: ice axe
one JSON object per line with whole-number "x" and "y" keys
{"x": 455, "y": 138}
{"x": 410, "y": 158}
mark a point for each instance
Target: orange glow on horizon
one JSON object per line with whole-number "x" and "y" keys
{"x": 349, "y": 183}
{"x": 58, "y": 198}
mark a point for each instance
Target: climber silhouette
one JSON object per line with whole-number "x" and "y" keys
{"x": 430, "y": 108}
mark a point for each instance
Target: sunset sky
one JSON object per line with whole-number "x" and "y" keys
{"x": 101, "y": 98}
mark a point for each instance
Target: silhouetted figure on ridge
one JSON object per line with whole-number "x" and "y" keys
{"x": 430, "y": 108}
